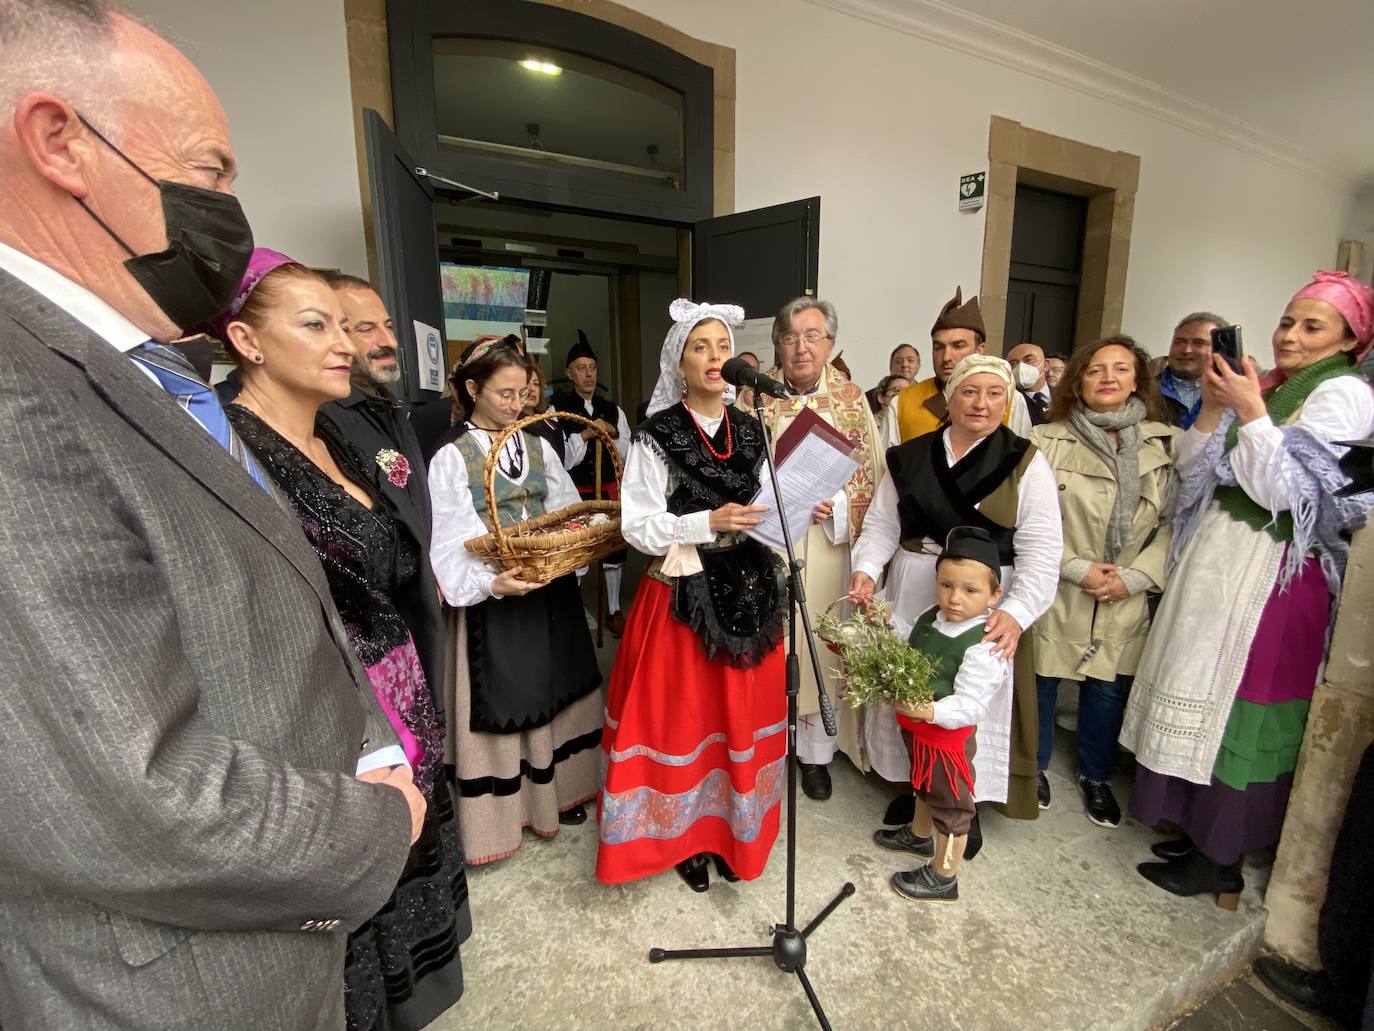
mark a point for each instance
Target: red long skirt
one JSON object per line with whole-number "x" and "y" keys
{"x": 694, "y": 751}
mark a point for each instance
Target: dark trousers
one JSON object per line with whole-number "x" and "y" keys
{"x": 1345, "y": 926}
{"x": 1101, "y": 708}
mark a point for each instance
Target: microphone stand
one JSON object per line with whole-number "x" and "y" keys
{"x": 788, "y": 949}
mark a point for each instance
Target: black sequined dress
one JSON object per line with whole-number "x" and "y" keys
{"x": 403, "y": 966}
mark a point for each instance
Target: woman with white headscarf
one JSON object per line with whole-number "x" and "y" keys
{"x": 972, "y": 472}
{"x": 696, "y": 718}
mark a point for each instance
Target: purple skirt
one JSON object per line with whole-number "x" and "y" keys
{"x": 1223, "y": 822}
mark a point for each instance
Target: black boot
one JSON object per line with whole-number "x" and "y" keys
{"x": 1195, "y": 874}
{"x": 695, "y": 872}
{"x": 1174, "y": 848}
{"x": 815, "y": 781}
{"x": 1291, "y": 983}
{"x": 900, "y": 811}
{"x": 574, "y": 816}
{"x": 975, "y": 838}
{"x": 723, "y": 868}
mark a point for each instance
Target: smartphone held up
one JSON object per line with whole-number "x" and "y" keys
{"x": 1226, "y": 341}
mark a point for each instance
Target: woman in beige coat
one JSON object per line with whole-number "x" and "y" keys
{"x": 1113, "y": 458}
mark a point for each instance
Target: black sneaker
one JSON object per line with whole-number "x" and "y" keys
{"x": 924, "y": 885}
{"x": 1099, "y": 802}
{"x": 903, "y": 839}
{"x": 1042, "y": 790}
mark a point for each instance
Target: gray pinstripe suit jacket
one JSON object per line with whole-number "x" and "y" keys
{"x": 182, "y": 842}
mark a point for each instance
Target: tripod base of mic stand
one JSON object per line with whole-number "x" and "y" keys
{"x": 788, "y": 951}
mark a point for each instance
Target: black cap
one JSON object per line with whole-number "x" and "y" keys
{"x": 581, "y": 349}
{"x": 975, "y": 544}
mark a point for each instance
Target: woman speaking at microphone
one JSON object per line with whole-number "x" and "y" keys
{"x": 696, "y": 717}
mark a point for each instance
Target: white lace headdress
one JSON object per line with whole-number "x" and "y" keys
{"x": 686, "y": 315}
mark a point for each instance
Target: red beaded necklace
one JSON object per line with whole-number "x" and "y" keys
{"x": 729, "y": 439}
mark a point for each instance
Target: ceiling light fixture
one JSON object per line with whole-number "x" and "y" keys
{"x": 543, "y": 67}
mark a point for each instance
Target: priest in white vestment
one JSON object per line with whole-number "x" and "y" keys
{"x": 804, "y": 336}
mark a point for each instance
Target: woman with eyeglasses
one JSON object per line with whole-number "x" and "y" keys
{"x": 524, "y": 709}
{"x": 888, "y": 388}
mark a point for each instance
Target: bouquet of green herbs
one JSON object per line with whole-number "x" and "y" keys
{"x": 878, "y": 666}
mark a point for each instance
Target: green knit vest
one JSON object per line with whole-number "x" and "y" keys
{"x": 1282, "y": 403}
{"x": 512, "y": 500}
{"x": 946, "y": 652}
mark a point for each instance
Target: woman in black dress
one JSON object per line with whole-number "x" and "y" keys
{"x": 403, "y": 966}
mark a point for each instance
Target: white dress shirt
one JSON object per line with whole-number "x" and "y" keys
{"x": 981, "y": 677}
{"x": 105, "y": 322}
{"x": 464, "y": 578}
{"x": 622, "y": 427}
{"x": 1339, "y": 409}
{"x": 645, "y": 521}
{"x": 91, "y": 311}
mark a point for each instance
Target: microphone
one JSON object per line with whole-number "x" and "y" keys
{"x": 740, "y": 373}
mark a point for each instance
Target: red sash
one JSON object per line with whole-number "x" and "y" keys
{"x": 932, "y": 744}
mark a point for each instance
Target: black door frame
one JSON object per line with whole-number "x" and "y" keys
{"x": 412, "y": 26}
{"x": 406, "y": 301}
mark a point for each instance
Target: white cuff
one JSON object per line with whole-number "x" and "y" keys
{"x": 694, "y": 528}
{"x": 1260, "y": 425}
{"x": 391, "y": 755}
{"x": 837, "y": 523}
{"x": 874, "y": 572}
{"x": 1018, "y": 612}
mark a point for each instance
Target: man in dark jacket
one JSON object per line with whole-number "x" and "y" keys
{"x": 378, "y": 425}
{"x": 1189, "y": 352}
{"x": 1027, "y": 363}
{"x": 584, "y": 400}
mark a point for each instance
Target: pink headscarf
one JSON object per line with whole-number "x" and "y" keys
{"x": 262, "y": 262}
{"x": 1352, "y": 298}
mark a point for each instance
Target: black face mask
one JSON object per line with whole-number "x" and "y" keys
{"x": 209, "y": 244}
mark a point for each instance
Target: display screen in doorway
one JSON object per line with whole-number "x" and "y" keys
{"x": 546, "y": 107}
{"x": 484, "y": 293}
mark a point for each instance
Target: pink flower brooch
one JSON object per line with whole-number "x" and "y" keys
{"x": 394, "y": 464}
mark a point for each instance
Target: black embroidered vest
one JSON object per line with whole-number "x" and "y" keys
{"x": 584, "y": 473}
{"x": 933, "y": 498}
{"x": 737, "y": 604}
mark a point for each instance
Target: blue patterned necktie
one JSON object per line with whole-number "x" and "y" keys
{"x": 180, "y": 379}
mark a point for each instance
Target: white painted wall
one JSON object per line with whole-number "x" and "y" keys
{"x": 281, "y": 71}
{"x": 878, "y": 123}
{"x": 881, "y": 125}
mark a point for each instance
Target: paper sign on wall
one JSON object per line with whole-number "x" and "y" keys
{"x": 429, "y": 356}
{"x": 971, "y": 189}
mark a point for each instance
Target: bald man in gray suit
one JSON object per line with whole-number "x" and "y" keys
{"x": 202, "y": 796}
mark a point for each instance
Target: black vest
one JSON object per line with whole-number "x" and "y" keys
{"x": 584, "y": 473}
{"x": 737, "y": 604}
{"x": 933, "y": 498}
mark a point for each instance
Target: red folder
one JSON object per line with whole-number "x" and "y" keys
{"x": 807, "y": 421}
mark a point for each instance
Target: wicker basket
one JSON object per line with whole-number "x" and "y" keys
{"x": 539, "y": 547}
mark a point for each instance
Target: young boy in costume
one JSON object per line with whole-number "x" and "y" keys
{"x": 968, "y": 681}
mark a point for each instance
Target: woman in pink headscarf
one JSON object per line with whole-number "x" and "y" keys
{"x": 1261, "y": 538}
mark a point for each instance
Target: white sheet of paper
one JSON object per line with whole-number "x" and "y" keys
{"x": 429, "y": 356}
{"x": 813, "y": 472}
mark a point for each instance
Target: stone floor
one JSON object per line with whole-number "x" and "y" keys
{"x": 1247, "y": 1004}
{"x": 1054, "y": 931}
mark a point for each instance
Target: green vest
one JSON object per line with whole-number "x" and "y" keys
{"x": 512, "y": 500}
{"x": 946, "y": 652}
